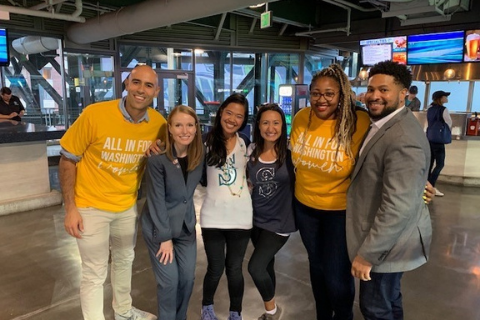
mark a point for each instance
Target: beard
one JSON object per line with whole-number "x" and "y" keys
{"x": 389, "y": 109}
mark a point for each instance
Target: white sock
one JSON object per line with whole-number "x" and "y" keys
{"x": 273, "y": 311}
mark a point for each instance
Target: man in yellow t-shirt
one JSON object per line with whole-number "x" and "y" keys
{"x": 100, "y": 171}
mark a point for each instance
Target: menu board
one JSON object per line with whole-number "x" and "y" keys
{"x": 382, "y": 49}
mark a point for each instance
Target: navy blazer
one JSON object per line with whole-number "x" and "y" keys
{"x": 169, "y": 202}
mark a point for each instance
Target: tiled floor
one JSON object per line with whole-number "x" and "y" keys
{"x": 40, "y": 270}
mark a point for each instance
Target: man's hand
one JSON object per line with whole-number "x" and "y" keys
{"x": 74, "y": 223}
{"x": 165, "y": 253}
{"x": 428, "y": 193}
{"x": 13, "y": 115}
{"x": 155, "y": 148}
{"x": 361, "y": 268}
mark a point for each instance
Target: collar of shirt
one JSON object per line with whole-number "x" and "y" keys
{"x": 376, "y": 125}
{"x": 125, "y": 114}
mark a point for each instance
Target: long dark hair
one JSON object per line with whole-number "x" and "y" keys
{"x": 280, "y": 144}
{"x": 217, "y": 151}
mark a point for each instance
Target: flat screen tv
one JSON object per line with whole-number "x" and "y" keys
{"x": 434, "y": 48}
{"x": 4, "y": 56}
{"x": 472, "y": 42}
{"x": 377, "y": 50}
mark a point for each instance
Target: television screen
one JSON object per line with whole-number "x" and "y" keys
{"x": 377, "y": 50}
{"x": 472, "y": 41}
{"x": 4, "y": 56}
{"x": 432, "y": 48}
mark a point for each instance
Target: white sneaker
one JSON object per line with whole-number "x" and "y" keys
{"x": 438, "y": 193}
{"x": 135, "y": 314}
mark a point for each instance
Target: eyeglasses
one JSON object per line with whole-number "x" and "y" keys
{"x": 327, "y": 95}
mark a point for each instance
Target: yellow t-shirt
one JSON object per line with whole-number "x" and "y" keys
{"x": 112, "y": 148}
{"x": 322, "y": 174}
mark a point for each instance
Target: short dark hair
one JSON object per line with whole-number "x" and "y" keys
{"x": 5, "y": 90}
{"x": 413, "y": 90}
{"x": 399, "y": 72}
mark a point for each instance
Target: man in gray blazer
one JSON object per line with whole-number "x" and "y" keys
{"x": 388, "y": 224}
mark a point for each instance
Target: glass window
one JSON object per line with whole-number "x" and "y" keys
{"x": 476, "y": 97}
{"x": 457, "y": 101}
{"x": 157, "y": 57}
{"x": 282, "y": 69}
{"x": 90, "y": 79}
{"x": 34, "y": 76}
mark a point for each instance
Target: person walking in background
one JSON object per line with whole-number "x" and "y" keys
{"x": 388, "y": 224}
{"x": 10, "y": 105}
{"x": 100, "y": 171}
{"x": 437, "y": 112}
{"x": 226, "y": 213}
{"x": 325, "y": 140}
{"x": 411, "y": 101}
{"x": 272, "y": 178}
{"x": 168, "y": 218}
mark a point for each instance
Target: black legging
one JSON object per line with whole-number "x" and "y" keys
{"x": 235, "y": 242}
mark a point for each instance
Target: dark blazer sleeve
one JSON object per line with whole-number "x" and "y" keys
{"x": 156, "y": 202}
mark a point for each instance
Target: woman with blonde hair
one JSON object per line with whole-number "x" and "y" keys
{"x": 168, "y": 218}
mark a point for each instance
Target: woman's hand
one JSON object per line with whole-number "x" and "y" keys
{"x": 155, "y": 148}
{"x": 165, "y": 253}
{"x": 428, "y": 193}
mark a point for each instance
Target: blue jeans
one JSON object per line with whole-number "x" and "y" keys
{"x": 380, "y": 298}
{"x": 438, "y": 157}
{"x": 323, "y": 234}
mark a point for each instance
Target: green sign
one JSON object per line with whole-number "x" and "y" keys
{"x": 266, "y": 20}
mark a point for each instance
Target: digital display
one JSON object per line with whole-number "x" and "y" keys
{"x": 4, "y": 56}
{"x": 433, "y": 48}
{"x": 382, "y": 49}
{"x": 472, "y": 42}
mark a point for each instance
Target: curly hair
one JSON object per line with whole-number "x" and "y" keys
{"x": 399, "y": 72}
{"x": 346, "y": 117}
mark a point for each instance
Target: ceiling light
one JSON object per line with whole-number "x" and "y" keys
{"x": 257, "y": 6}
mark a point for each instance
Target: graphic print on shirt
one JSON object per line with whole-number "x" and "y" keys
{"x": 266, "y": 185}
{"x": 122, "y": 151}
{"x": 319, "y": 153}
{"x": 229, "y": 173}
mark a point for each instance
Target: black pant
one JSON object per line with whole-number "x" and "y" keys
{"x": 438, "y": 157}
{"x": 324, "y": 236}
{"x": 235, "y": 242}
{"x": 261, "y": 265}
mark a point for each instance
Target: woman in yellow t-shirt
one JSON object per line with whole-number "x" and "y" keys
{"x": 325, "y": 140}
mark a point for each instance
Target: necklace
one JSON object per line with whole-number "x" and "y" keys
{"x": 228, "y": 169}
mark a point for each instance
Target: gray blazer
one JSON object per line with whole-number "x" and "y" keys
{"x": 169, "y": 199}
{"x": 388, "y": 223}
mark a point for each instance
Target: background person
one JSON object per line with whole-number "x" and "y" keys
{"x": 168, "y": 218}
{"x": 100, "y": 171}
{"x": 411, "y": 101}
{"x": 388, "y": 224}
{"x": 325, "y": 140}
{"x": 437, "y": 149}
{"x": 10, "y": 105}
{"x": 226, "y": 213}
{"x": 270, "y": 172}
